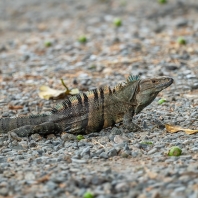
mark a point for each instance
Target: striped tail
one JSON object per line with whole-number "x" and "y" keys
{"x": 8, "y": 124}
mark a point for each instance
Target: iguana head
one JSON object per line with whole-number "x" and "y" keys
{"x": 148, "y": 89}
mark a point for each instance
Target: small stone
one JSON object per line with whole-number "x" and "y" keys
{"x": 55, "y": 143}
{"x": 171, "y": 67}
{"x": 145, "y": 126}
{"x": 86, "y": 151}
{"x": 4, "y": 191}
{"x": 51, "y": 137}
{"x": 24, "y": 144}
{"x": 112, "y": 152}
{"x": 67, "y": 136}
{"x": 152, "y": 151}
{"x": 3, "y": 159}
{"x": 103, "y": 155}
{"x": 116, "y": 131}
{"x": 29, "y": 176}
{"x": 181, "y": 22}
{"x": 32, "y": 143}
{"x": 180, "y": 189}
{"x": 134, "y": 153}
{"x": 38, "y": 160}
{"x": 81, "y": 161}
{"x": 98, "y": 152}
{"x": 36, "y": 137}
{"x": 155, "y": 194}
{"x": 51, "y": 185}
{"x": 194, "y": 86}
{"x": 118, "y": 139}
{"x": 5, "y": 114}
{"x": 107, "y": 71}
{"x": 122, "y": 187}
{"x": 2, "y": 48}
{"x": 134, "y": 193}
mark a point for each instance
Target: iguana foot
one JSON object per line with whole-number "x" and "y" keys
{"x": 18, "y": 133}
{"x": 13, "y": 135}
{"x": 132, "y": 127}
{"x": 128, "y": 123}
{"x": 24, "y": 131}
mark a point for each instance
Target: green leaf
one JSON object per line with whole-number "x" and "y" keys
{"x": 117, "y": 22}
{"x": 146, "y": 143}
{"x": 48, "y": 43}
{"x": 88, "y": 195}
{"x": 161, "y": 101}
{"x": 175, "y": 151}
{"x": 82, "y": 39}
{"x": 181, "y": 40}
{"x": 162, "y": 1}
{"x": 80, "y": 137}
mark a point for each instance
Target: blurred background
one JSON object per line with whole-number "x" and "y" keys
{"x": 96, "y": 42}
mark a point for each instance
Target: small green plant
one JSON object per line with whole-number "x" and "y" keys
{"x": 82, "y": 39}
{"x": 161, "y": 101}
{"x": 117, "y": 22}
{"x": 48, "y": 43}
{"x": 91, "y": 67}
{"x": 175, "y": 151}
{"x": 80, "y": 137}
{"x": 162, "y": 1}
{"x": 181, "y": 40}
{"x": 88, "y": 195}
{"x": 146, "y": 143}
{"x": 123, "y": 3}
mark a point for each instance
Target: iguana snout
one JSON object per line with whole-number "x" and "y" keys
{"x": 155, "y": 84}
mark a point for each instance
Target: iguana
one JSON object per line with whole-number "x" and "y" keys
{"x": 93, "y": 110}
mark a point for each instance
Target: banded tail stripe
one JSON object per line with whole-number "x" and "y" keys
{"x": 101, "y": 124}
{"x": 86, "y": 110}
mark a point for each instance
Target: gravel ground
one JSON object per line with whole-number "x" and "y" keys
{"x": 39, "y": 46}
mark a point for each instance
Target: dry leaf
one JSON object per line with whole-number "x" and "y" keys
{"x": 151, "y": 174}
{"x": 48, "y": 93}
{"x": 15, "y": 107}
{"x": 44, "y": 178}
{"x": 174, "y": 129}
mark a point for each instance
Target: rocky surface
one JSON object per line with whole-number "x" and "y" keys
{"x": 39, "y": 45}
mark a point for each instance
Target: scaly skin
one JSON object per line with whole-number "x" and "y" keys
{"x": 92, "y": 111}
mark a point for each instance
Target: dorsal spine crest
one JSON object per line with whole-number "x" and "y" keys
{"x": 68, "y": 102}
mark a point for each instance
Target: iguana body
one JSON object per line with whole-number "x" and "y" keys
{"x": 91, "y": 111}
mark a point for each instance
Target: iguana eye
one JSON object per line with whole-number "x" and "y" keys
{"x": 153, "y": 81}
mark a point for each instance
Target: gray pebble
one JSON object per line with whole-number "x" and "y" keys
{"x": 112, "y": 152}
{"x": 152, "y": 151}
{"x": 81, "y": 161}
{"x": 4, "y": 191}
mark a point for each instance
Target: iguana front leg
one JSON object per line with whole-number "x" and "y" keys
{"x": 42, "y": 129}
{"x": 127, "y": 122}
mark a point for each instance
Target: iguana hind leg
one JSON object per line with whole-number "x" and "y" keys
{"x": 42, "y": 129}
{"x": 47, "y": 128}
